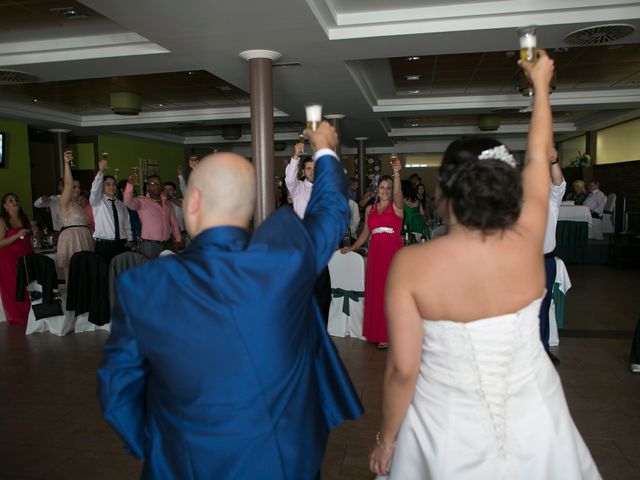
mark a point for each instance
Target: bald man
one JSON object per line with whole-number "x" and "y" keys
{"x": 225, "y": 371}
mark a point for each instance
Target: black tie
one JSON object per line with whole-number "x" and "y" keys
{"x": 116, "y": 223}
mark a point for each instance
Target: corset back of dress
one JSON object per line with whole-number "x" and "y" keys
{"x": 483, "y": 361}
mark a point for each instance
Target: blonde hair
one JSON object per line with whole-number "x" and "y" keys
{"x": 580, "y": 185}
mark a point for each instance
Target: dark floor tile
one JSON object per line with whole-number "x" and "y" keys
{"x": 97, "y": 466}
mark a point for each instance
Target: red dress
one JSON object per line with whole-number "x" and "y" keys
{"x": 382, "y": 248}
{"x": 15, "y": 312}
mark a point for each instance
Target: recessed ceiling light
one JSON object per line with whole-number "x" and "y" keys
{"x": 414, "y": 124}
{"x": 413, "y": 92}
{"x": 189, "y": 73}
{"x": 161, "y": 104}
{"x": 412, "y": 59}
{"x": 35, "y": 100}
{"x": 412, "y": 77}
{"x": 68, "y": 12}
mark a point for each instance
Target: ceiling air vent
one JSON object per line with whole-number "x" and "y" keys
{"x": 599, "y": 34}
{"x": 15, "y": 76}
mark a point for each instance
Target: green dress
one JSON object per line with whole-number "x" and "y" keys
{"x": 414, "y": 222}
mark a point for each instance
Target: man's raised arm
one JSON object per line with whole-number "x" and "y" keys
{"x": 327, "y": 214}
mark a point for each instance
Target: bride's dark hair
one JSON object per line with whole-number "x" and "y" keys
{"x": 484, "y": 194}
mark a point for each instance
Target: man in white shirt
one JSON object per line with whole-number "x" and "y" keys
{"x": 596, "y": 200}
{"x": 300, "y": 190}
{"x": 558, "y": 187}
{"x": 113, "y": 227}
{"x": 53, "y": 203}
{"x": 354, "y": 221}
{"x": 169, "y": 189}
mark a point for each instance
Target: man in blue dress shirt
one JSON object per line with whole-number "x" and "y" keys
{"x": 219, "y": 365}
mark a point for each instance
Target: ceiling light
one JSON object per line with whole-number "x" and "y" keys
{"x": 35, "y": 100}
{"x": 412, "y": 59}
{"x": 412, "y": 77}
{"x": 68, "y": 12}
{"x": 161, "y": 104}
{"x": 415, "y": 124}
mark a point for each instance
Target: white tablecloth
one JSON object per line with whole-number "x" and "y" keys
{"x": 579, "y": 213}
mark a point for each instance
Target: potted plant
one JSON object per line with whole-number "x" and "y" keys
{"x": 581, "y": 160}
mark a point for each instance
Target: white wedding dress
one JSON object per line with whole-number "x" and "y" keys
{"x": 489, "y": 404}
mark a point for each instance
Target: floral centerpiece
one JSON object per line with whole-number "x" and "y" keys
{"x": 581, "y": 160}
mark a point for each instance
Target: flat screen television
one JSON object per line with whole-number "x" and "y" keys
{"x": 3, "y": 149}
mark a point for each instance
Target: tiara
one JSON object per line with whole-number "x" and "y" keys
{"x": 498, "y": 153}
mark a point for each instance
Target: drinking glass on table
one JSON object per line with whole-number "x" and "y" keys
{"x": 528, "y": 44}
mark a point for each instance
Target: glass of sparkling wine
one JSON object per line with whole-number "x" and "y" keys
{"x": 301, "y": 140}
{"x": 528, "y": 44}
{"x": 68, "y": 151}
{"x": 314, "y": 115}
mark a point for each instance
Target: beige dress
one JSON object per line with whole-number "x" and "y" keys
{"x": 75, "y": 235}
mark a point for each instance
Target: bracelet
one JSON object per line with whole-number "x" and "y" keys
{"x": 396, "y": 174}
{"x": 553, "y": 163}
{"x": 381, "y": 445}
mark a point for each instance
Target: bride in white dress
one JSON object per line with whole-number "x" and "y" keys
{"x": 469, "y": 391}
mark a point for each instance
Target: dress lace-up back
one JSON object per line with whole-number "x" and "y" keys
{"x": 489, "y": 404}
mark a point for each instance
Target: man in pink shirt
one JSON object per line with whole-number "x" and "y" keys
{"x": 156, "y": 215}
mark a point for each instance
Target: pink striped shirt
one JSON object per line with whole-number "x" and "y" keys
{"x": 158, "y": 222}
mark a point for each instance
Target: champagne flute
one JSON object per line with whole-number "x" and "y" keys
{"x": 301, "y": 140}
{"x": 528, "y": 44}
{"x": 314, "y": 115}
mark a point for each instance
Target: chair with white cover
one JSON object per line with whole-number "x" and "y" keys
{"x": 609, "y": 214}
{"x": 439, "y": 231}
{"x": 58, "y": 325}
{"x": 346, "y": 312}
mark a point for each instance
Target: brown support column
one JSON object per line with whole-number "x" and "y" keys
{"x": 590, "y": 148}
{"x": 335, "y": 119}
{"x": 362, "y": 158}
{"x": 59, "y": 146}
{"x": 260, "y": 66}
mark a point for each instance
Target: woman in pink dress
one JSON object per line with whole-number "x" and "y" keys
{"x": 15, "y": 242}
{"x": 383, "y": 222}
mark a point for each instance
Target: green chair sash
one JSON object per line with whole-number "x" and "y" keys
{"x": 346, "y": 295}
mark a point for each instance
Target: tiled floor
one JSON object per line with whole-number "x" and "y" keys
{"x": 51, "y": 428}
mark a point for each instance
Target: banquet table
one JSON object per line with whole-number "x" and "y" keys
{"x": 574, "y": 229}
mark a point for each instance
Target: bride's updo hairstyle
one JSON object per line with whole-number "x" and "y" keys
{"x": 480, "y": 182}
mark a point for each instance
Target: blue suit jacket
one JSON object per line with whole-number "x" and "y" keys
{"x": 219, "y": 365}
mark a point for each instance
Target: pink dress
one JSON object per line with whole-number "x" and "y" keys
{"x": 15, "y": 312}
{"x": 382, "y": 247}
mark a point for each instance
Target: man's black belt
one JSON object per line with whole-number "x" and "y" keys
{"x": 155, "y": 241}
{"x": 104, "y": 240}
